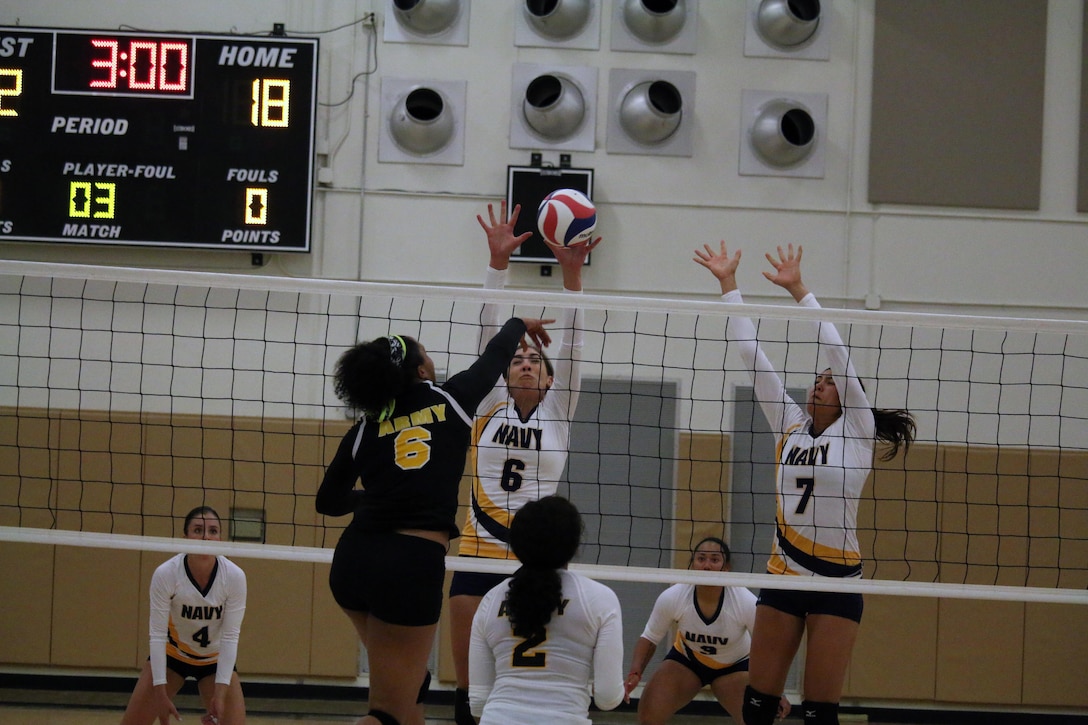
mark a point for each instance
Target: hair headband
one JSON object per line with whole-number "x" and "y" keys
{"x": 397, "y": 350}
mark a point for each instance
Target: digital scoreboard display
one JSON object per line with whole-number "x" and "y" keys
{"x": 154, "y": 139}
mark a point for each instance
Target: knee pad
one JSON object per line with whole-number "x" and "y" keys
{"x": 820, "y": 713}
{"x": 424, "y": 688}
{"x": 383, "y": 717}
{"x": 759, "y": 708}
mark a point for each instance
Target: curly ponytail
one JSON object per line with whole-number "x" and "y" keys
{"x": 371, "y": 375}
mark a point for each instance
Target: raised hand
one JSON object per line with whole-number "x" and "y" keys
{"x": 571, "y": 260}
{"x": 720, "y": 264}
{"x": 534, "y": 329}
{"x": 787, "y": 271}
{"x": 500, "y": 234}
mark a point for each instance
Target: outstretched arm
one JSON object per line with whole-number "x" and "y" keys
{"x": 787, "y": 275}
{"x": 769, "y": 388}
{"x": 501, "y": 243}
{"x": 567, "y": 358}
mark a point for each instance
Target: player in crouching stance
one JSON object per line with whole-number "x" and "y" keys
{"x": 197, "y": 605}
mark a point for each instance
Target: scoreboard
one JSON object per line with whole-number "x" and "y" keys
{"x": 155, "y": 139}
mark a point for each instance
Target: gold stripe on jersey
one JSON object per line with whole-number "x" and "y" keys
{"x": 181, "y": 651}
{"x": 471, "y": 543}
{"x": 777, "y": 565}
{"x": 820, "y": 551}
{"x": 682, "y": 645}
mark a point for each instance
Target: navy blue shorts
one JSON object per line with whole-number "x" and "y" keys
{"x": 848, "y": 605}
{"x": 475, "y": 583}
{"x": 706, "y": 674}
{"x": 395, "y": 577}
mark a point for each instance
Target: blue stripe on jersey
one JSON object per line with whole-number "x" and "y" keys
{"x": 492, "y": 526}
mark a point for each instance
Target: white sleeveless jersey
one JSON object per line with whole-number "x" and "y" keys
{"x": 718, "y": 641}
{"x": 514, "y": 461}
{"x": 193, "y": 626}
{"x": 550, "y": 679}
{"x": 819, "y": 479}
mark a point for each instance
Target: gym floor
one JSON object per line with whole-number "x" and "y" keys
{"x": 104, "y": 706}
{"x": 265, "y": 713}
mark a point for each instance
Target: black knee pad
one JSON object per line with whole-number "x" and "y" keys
{"x": 820, "y": 713}
{"x": 462, "y": 712}
{"x": 424, "y": 688}
{"x": 759, "y": 708}
{"x": 383, "y": 717}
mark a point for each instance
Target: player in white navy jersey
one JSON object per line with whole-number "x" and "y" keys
{"x": 713, "y": 626}
{"x": 197, "y": 605}
{"x": 547, "y": 640}
{"x": 519, "y": 438}
{"x": 824, "y": 457}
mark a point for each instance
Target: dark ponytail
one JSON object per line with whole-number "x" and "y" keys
{"x": 544, "y": 535}
{"x": 896, "y": 428}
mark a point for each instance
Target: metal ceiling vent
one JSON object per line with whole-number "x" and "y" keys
{"x": 426, "y": 17}
{"x": 421, "y": 122}
{"x": 783, "y": 134}
{"x": 557, "y": 19}
{"x": 651, "y": 111}
{"x": 654, "y": 21}
{"x": 787, "y": 23}
{"x": 553, "y": 106}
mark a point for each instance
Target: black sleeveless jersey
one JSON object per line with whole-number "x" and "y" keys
{"x": 411, "y": 464}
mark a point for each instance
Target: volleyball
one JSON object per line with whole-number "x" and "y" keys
{"x": 566, "y": 217}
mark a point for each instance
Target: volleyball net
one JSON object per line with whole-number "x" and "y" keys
{"x": 130, "y": 396}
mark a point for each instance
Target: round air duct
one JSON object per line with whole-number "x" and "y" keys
{"x": 557, "y": 19}
{"x": 783, "y": 133}
{"x": 426, "y": 17}
{"x": 787, "y": 23}
{"x": 553, "y": 107}
{"x": 654, "y": 21}
{"x": 421, "y": 122}
{"x": 651, "y": 111}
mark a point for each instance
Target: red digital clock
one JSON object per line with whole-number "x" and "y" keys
{"x": 124, "y": 64}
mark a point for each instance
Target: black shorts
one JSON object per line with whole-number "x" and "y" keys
{"x": 395, "y": 577}
{"x": 475, "y": 583}
{"x": 848, "y": 605}
{"x": 186, "y": 670}
{"x": 705, "y": 674}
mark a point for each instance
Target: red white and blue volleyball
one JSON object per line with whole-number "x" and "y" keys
{"x": 566, "y": 217}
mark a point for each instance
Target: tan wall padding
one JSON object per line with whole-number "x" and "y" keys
{"x": 1055, "y": 654}
{"x": 279, "y": 621}
{"x": 702, "y": 490}
{"x": 910, "y": 649}
{"x": 334, "y": 643}
{"x": 980, "y": 648}
{"x": 26, "y": 571}
{"x": 94, "y": 607}
{"x": 896, "y": 650}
